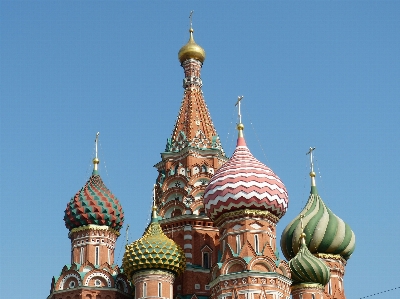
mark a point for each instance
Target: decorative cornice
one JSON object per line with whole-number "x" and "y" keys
{"x": 307, "y": 286}
{"x": 93, "y": 227}
{"x": 153, "y": 272}
{"x": 246, "y": 213}
{"x": 249, "y": 274}
{"x": 327, "y": 256}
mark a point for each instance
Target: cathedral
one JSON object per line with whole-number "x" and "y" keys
{"x": 212, "y": 232}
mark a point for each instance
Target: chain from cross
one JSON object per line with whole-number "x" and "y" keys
{"x": 238, "y": 104}
{"x": 310, "y": 152}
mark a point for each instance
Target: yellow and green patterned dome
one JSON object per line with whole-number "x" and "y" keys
{"x": 153, "y": 251}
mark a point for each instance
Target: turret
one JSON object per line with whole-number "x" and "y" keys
{"x": 246, "y": 199}
{"x": 327, "y": 237}
{"x": 153, "y": 262}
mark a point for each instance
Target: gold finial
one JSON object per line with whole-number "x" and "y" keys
{"x": 240, "y": 126}
{"x": 96, "y": 160}
{"x": 312, "y": 173}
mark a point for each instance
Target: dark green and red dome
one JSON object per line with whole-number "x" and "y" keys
{"x": 94, "y": 204}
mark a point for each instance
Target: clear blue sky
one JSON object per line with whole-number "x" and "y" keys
{"x": 313, "y": 73}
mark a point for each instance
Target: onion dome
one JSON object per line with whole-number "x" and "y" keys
{"x": 153, "y": 251}
{"x": 94, "y": 204}
{"x": 244, "y": 183}
{"x": 306, "y": 268}
{"x": 191, "y": 50}
{"x": 326, "y": 232}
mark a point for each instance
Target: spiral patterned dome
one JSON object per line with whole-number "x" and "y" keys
{"x": 153, "y": 251}
{"x": 94, "y": 204}
{"x": 244, "y": 183}
{"x": 306, "y": 268}
{"x": 191, "y": 50}
{"x": 326, "y": 232}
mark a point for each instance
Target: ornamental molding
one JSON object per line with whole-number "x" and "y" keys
{"x": 307, "y": 286}
{"x": 263, "y": 278}
{"x": 327, "y": 256}
{"x": 175, "y": 225}
{"x": 93, "y": 227}
{"x": 143, "y": 275}
{"x": 191, "y": 151}
{"x": 246, "y": 213}
{"x": 97, "y": 274}
{"x": 69, "y": 275}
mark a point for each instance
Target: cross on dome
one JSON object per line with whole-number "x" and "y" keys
{"x": 240, "y": 126}
{"x": 154, "y": 207}
{"x": 312, "y": 173}
{"x": 191, "y": 18}
{"x": 96, "y": 160}
{"x": 238, "y": 104}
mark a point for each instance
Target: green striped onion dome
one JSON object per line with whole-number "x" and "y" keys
{"x": 306, "y": 268}
{"x": 326, "y": 232}
{"x": 153, "y": 251}
{"x": 94, "y": 204}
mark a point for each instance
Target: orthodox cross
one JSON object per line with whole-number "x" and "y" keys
{"x": 310, "y": 152}
{"x": 238, "y": 104}
{"x": 96, "y": 141}
{"x": 153, "y": 208}
{"x": 154, "y": 195}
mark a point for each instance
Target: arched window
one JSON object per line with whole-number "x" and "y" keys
{"x": 81, "y": 255}
{"x": 238, "y": 244}
{"x": 206, "y": 260}
{"x": 159, "y": 289}
{"x": 329, "y": 287}
{"x": 97, "y": 255}
{"x": 256, "y": 244}
{"x": 144, "y": 289}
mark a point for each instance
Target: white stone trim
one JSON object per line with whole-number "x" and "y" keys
{"x": 98, "y": 274}
{"x": 61, "y": 287}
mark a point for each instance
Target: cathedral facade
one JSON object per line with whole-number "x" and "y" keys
{"x": 213, "y": 226}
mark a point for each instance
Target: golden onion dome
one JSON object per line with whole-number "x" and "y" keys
{"x": 191, "y": 50}
{"x": 153, "y": 251}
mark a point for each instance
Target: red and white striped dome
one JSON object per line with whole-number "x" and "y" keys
{"x": 245, "y": 183}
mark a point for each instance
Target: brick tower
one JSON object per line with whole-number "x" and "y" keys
{"x": 93, "y": 217}
{"x": 327, "y": 237}
{"x": 191, "y": 157}
{"x": 309, "y": 274}
{"x": 245, "y": 199}
{"x": 153, "y": 261}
